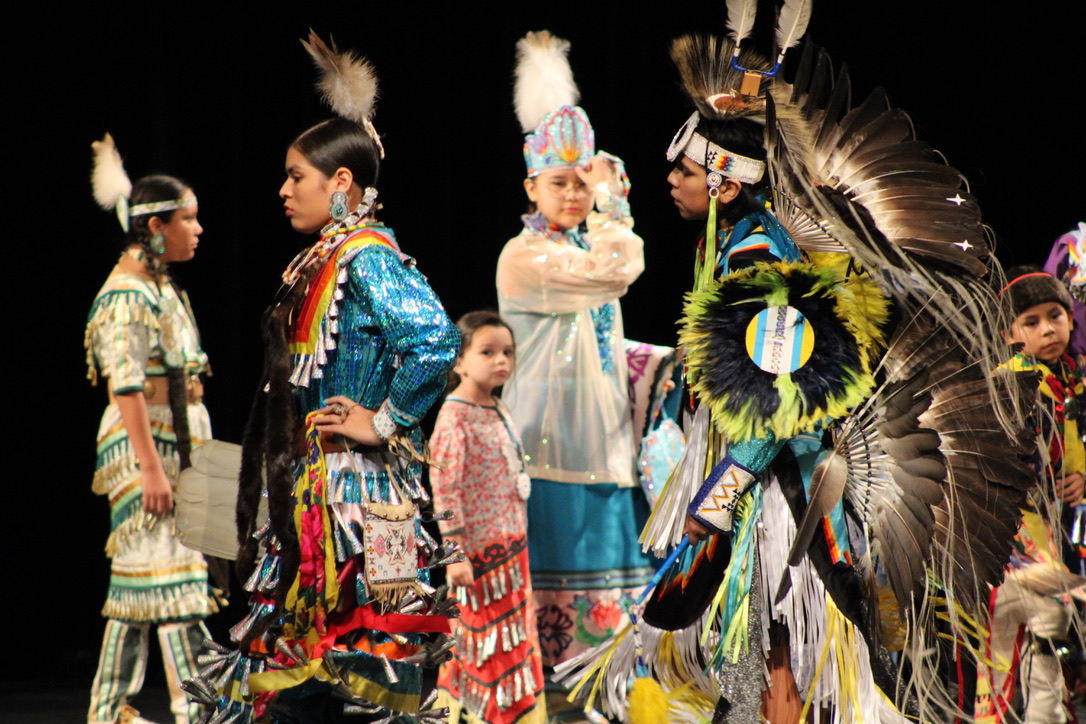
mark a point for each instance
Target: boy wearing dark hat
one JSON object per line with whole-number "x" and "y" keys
{"x": 1034, "y": 596}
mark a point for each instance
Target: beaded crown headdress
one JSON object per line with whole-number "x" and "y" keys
{"x": 559, "y": 135}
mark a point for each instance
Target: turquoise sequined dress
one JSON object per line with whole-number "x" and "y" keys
{"x": 381, "y": 336}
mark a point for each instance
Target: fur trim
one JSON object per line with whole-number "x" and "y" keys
{"x": 268, "y": 449}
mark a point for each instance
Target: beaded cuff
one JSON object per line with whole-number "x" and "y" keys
{"x": 716, "y": 500}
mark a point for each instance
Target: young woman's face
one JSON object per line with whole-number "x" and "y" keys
{"x": 488, "y": 360}
{"x": 1044, "y": 331}
{"x": 182, "y": 232}
{"x": 562, "y": 197}
{"x": 306, "y": 193}
{"x": 688, "y": 189}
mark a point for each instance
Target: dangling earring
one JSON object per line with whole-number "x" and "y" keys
{"x": 338, "y": 209}
{"x": 158, "y": 243}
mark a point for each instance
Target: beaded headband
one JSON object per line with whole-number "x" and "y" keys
{"x": 716, "y": 160}
{"x": 158, "y": 207}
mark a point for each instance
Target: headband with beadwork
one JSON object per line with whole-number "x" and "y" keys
{"x": 158, "y": 207}
{"x": 712, "y": 157}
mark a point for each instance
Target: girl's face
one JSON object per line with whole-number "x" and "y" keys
{"x": 562, "y": 196}
{"x": 488, "y": 360}
{"x": 182, "y": 232}
{"x": 306, "y": 193}
{"x": 1044, "y": 331}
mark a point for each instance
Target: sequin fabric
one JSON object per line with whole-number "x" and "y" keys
{"x": 380, "y": 336}
{"x": 394, "y": 339}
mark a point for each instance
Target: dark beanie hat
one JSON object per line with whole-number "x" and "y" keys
{"x": 1029, "y": 286}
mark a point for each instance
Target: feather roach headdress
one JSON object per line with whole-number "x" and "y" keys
{"x": 713, "y": 83}
{"x": 348, "y": 83}
{"x": 559, "y": 134}
{"x": 724, "y": 83}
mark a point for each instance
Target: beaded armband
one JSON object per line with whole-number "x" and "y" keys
{"x": 716, "y": 500}
{"x": 383, "y": 423}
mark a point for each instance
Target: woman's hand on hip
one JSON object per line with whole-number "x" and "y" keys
{"x": 344, "y": 416}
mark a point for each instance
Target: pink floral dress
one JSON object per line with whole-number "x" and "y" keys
{"x": 496, "y": 673}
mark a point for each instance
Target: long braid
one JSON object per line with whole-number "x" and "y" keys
{"x": 269, "y": 447}
{"x": 178, "y": 379}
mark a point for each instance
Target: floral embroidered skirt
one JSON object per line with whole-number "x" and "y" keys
{"x": 587, "y": 566}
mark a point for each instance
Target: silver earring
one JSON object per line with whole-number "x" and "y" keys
{"x": 158, "y": 243}
{"x": 338, "y": 208}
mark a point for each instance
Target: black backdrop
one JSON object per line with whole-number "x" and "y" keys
{"x": 213, "y": 94}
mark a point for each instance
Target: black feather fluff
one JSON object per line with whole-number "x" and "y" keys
{"x": 743, "y": 397}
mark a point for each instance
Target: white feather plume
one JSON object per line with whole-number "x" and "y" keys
{"x": 108, "y": 179}
{"x": 741, "y": 14}
{"x": 348, "y": 81}
{"x": 792, "y": 22}
{"x": 544, "y": 79}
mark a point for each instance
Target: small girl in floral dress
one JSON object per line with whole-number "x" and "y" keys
{"x": 496, "y": 675}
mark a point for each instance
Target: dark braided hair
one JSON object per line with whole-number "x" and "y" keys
{"x": 273, "y": 433}
{"x": 149, "y": 190}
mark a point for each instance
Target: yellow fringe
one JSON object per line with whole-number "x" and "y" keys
{"x": 841, "y": 640}
{"x": 596, "y": 672}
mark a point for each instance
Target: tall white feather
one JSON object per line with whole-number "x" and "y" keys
{"x": 792, "y": 22}
{"x": 741, "y": 14}
{"x": 544, "y": 80}
{"x": 348, "y": 81}
{"x": 108, "y": 179}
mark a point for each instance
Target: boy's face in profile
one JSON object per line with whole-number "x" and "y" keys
{"x": 1044, "y": 331}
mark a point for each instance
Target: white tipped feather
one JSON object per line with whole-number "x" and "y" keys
{"x": 108, "y": 178}
{"x": 792, "y": 22}
{"x": 348, "y": 82}
{"x": 741, "y": 14}
{"x": 544, "y": 81}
